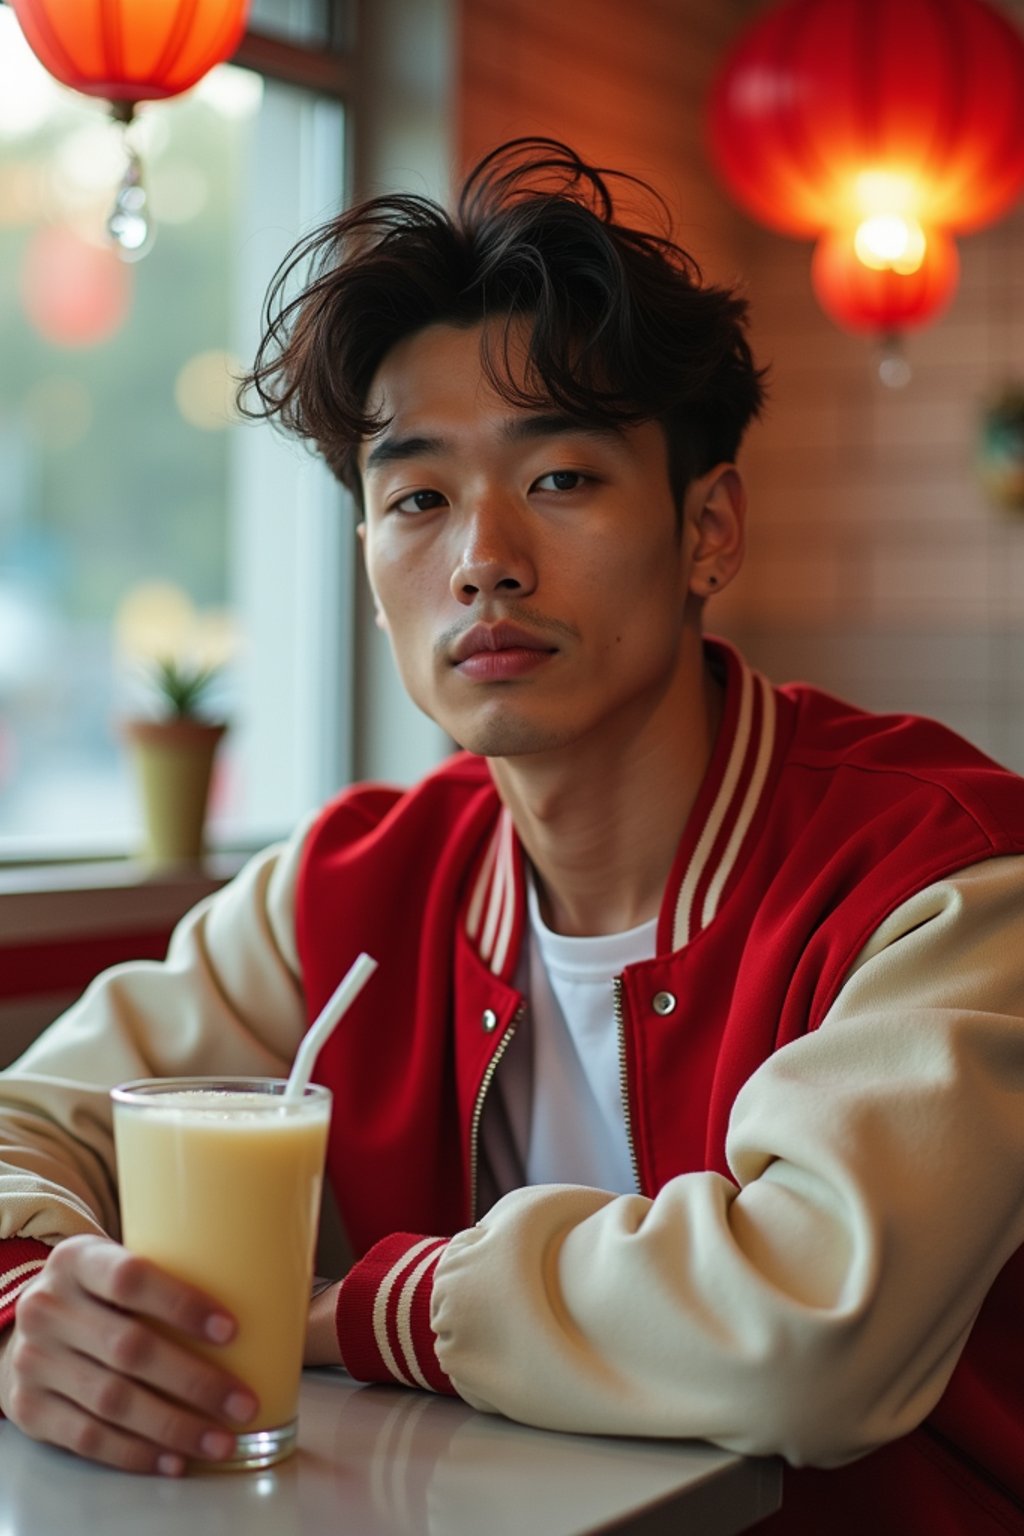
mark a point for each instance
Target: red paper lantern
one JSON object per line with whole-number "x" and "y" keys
{"x": 881, "y": 299}
{"x": 131, "y": 50}
{"x": 828, "y": 112}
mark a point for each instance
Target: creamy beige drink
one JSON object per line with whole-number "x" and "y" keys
{"x": 220, "y": 1185}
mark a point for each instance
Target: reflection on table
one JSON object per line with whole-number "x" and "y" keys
{"x": 377, "y": 1461}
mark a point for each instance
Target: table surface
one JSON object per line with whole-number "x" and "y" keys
{"x": 381, "y": 1461}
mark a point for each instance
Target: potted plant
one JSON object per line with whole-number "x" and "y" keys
{"x": 174, "y": 754}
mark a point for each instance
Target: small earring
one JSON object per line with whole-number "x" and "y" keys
{"x": 712, "y": 581}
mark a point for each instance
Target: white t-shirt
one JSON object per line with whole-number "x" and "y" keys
{"x": 555, "y": 1113}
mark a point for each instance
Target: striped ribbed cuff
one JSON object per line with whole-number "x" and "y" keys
{"x": 21, "y": 1259}
{"x": 383, "y": 1314}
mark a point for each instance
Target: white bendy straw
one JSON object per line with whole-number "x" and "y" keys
{"x": 344, "y": 994}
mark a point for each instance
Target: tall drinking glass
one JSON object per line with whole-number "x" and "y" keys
{"x": 220, "y": 1184}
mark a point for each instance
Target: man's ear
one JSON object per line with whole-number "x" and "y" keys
{"x": 714, "y": 516}
{"x": 378, "y": 612}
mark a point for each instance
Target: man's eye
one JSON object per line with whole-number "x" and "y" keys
{"x": 419, "y": 501}
{"x": 560, "y": 480}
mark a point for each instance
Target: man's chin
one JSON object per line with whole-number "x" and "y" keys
{"x": 510, "y": 738}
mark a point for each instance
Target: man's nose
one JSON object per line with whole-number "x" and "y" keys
{"x": 493, "y": 555}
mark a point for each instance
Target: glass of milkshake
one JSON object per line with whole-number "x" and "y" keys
{"x": 220, "y": 1183}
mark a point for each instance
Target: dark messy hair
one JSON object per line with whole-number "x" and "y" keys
{"x": 621, "y": 327}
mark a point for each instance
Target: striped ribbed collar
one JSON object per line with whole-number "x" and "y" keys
{"x": 709, "y": 852}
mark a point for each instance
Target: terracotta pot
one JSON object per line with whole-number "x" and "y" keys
{"x": 174, "y": 763}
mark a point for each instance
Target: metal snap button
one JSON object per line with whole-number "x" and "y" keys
{"x": 489, "y": 1020}
{"x": 663, "y": 1002}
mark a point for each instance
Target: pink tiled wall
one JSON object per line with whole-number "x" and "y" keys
{"x": 877, "y": 566}
{"x": 624, "y": 84}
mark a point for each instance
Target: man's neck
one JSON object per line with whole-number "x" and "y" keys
{"x": 601, "y": 821}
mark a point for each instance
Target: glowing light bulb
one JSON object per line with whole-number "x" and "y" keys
{"x": 889, "y": 243}
{"x": 885, "y": 190}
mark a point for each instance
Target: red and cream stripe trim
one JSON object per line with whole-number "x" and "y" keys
{"x": 23, "y": 1258}
{"x": 492, "y": 905}
{"x": 383, "y": 1315}
{"x": 496, "y": 897}
{"x": 732, "y": 812}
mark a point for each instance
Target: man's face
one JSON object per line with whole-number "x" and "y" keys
{"x": 532, "y": 572}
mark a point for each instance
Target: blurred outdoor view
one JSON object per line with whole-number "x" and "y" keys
{"x": 116, "y": 436}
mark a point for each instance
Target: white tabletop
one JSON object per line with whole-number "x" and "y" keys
{"x": 380, "y": 1461}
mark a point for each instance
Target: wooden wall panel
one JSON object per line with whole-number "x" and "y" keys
{"x": 625, "y": 85}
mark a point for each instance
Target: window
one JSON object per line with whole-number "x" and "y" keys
{"x": 314, "y": 23}
{"x": 131, "y": 503}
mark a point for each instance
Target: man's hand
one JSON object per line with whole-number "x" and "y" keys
{"x": 87, "y": 1366}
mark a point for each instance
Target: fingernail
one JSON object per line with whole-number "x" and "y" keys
{"x": 170, "y": 1466}
{"x": 219, "y": 1328}
{"x": 240, "y": 1407}
{"x": 216, "y": 1444}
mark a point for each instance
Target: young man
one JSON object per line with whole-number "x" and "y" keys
{"x": 687, "y": 1100}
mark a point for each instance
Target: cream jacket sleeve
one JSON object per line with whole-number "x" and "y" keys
{"x": 226, "y": 1000}
{"x": 815, "y": 1305}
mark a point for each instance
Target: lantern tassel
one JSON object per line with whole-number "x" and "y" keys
{"x": 894, "y": 370}
{"x": 130, "y": 226}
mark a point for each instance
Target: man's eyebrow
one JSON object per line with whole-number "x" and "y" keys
{"x": 558, "y": 424}
{"x": 392, "y": 450}
{"x": 524, "y": 426}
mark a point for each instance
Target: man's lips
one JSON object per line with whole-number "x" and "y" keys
{"x": 489, "y": 639}
{"x": 495, "y": 651}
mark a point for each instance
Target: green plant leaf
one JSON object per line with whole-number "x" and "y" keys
{"x": 182, "y": 687}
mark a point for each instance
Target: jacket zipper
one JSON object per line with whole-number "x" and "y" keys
{"x": 478, "y": 1107}
{"x": 620, "y": 1025}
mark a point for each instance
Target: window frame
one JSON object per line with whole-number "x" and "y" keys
{"x": 328, "y": 72}
{"x": 325, "y": 71}
{"x": 397, "y": 49}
